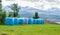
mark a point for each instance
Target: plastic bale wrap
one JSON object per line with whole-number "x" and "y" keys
{"x": 15, "y": 21}
{"x": 41, "y": 21}
{"x": 38, "y": 21}
{"x": 30, "y": 20}
{"x": 9, "y": 21}
{"x": 21, "y": 20}
{"x": 34, "y": 21}
{"x": 26, "y": 20}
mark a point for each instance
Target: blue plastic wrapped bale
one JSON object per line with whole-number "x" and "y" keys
{"x": 30, "y": 21}
{"x": 41, "y": 21}
{"x": 26, "y": 20}
{"x": 9, "y": 21}
{"x": 34, "y": 21}
{"x": 21, "y": 20}
{"x": 15, "y": 21}
{"x": 38, "y": 21}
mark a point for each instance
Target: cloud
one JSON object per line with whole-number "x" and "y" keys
{"x": 32, "y": 0}
{"x": 51, "y": 0}
{"x": 39, "y": 4}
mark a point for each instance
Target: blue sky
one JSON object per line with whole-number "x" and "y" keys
{"x": 39, "y": 4}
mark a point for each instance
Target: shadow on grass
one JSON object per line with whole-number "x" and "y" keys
{"x": 3, "y": 34}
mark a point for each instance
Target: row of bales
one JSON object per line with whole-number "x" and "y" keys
{"x": 16, "y": 21}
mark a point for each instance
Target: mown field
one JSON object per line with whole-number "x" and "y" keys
{"x": 31, "y": 29}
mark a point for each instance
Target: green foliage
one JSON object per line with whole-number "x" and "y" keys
{"x": 0, "y": 0}
{"x": 36, "y": 15}
{"x": 0, "y": 11}
{"x": 0, "y": 6}
{"x": 11, "y": 14}
{"x": 15, "y": 9}
{"x": 2, "y": 17}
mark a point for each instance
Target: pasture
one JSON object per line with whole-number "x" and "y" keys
{"x": 30, "y": 29}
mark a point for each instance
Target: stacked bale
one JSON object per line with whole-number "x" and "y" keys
{"x": 16, "y": 21}
{"x": 30, "y": 20}
{"x": 20, "y": 20}
{"x": 26, "y": 20}
{"x": 38, "y": 21}
{"x": 9, "y": 21}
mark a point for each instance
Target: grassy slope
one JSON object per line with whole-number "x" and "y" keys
{"x": 33, "y": 29}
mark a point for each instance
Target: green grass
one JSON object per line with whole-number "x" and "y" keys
{"x": 32, "y": 29}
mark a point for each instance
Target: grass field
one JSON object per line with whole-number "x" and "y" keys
{"x": 33, "y": 29}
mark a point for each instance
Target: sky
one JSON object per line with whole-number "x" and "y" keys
{"x": 39, "y": 4}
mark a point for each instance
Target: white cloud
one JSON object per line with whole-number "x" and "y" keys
{"x": 39, "y": 4}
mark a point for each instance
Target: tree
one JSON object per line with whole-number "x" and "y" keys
{"x": 36, "y": 15}
{"x": 2, "y": 14}
{"x": 14, "y": 7}
{"x": 0, "y": 11}
{"x": 11, "y": 14}
{"x": 0, "y": 6}
{"x": 2, "y": 17}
